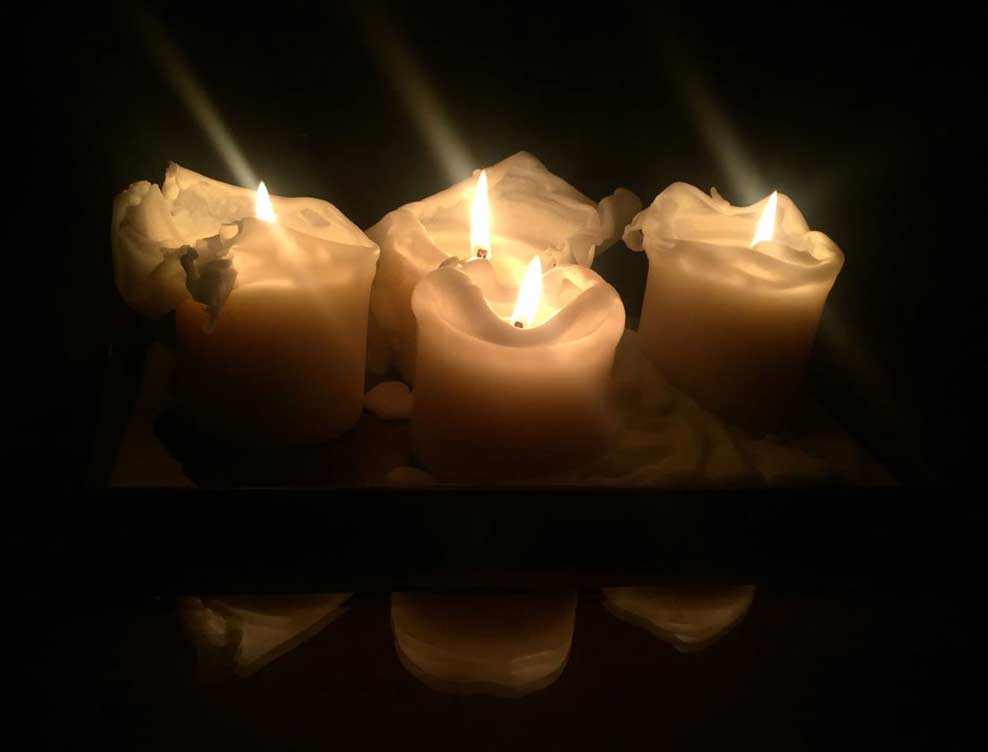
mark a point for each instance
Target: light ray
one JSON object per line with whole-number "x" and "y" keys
{"x": 417, "y": 94}
{"x": 178, "y": 72}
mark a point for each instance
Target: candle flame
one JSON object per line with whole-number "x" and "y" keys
{"x": 262, "y": 204}
{"x": 480, "y": 219}
{"x": 766, "y": 225}
{"x": 529, "y": 294}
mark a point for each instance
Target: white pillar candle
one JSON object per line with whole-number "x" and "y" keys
{"x": 497, "y": 401}
{"x": 271, "y": 303}
{"x": 509, "y": 644}
{"x": 734, "y": 298}
{"x": 533, "y": 212}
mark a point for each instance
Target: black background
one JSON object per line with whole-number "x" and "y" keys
{"x": 872, "y": 120}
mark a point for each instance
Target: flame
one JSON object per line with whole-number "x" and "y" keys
{"x": 262, "y": 204}
{"x": 766, "y": 225}
{"x": 480, "y": 219}
{"x": 529, "y": 295}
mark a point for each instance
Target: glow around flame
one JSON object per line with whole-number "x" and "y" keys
{"x": 262, "y": 204}
{"x": 480, "y": 218}
{"x": 529, "y": 295}
{"x": 766, "y": 225}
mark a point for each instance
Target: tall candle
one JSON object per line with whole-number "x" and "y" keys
{"x": 533, "y": 212}
{"x": 270, "y": 299}
{"x": 512, "y": 382}
{"x": 734, "y": 298}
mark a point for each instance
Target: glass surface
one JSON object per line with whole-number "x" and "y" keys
{"x": 819, "y": 668}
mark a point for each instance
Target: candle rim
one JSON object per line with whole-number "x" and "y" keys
{"x": 451, "y": 286}
{"x": 800, "y": 257}
{"x": 680, "y": 198}
{"x": 149, "y": 233}
{"x": 287, "y": 209}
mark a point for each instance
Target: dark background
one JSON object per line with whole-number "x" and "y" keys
{"x": 872, "y": 121}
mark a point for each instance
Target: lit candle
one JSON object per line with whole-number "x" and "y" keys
{"x": 533, "y": 213}
{"x": 734, "y": 298}
{"x": 270, "y": 297}
{"x": 512, "y": 380}
{"x": 506, "y": 644}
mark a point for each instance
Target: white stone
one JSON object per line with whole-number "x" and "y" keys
{"x": 389, "y": 400}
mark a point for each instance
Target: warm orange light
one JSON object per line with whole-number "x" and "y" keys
{"x": 766, "y": 225}
{"x": 480, "y": 220}
{"x": 262, "y": 204}
{"x": 529, "y": 295}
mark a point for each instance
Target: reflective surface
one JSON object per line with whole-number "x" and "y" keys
{"x": 780, "y": 669}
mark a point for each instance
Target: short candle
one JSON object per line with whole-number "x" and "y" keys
{"x": 270, "y": 298}
{"x": 734, "y": 298}
{"x": 512, "y": 383}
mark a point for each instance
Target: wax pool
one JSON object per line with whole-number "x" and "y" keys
{"x": 728, "y": 317}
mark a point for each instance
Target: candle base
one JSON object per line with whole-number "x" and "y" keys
{"x": 665, "y": 441}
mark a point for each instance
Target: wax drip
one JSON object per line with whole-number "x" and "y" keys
{"x": 209, "y": 283}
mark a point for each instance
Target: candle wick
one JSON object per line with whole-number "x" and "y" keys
{"x": 519, "y": 325}
{"x": 481, "y": 253}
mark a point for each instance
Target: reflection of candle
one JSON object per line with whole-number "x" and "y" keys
{"x": 510, "y": 383}
{"x": 533, "y": 213}
{"x": 496, "y": 643}
{"x": 242, "y": 634}
{"x": 688, "y": 619}
{"x": 734, "y": 298}
{"x": 271, "y": 300}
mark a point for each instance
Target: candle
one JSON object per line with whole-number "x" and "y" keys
{"x": 734, "y": 298}
{"x": 533, "y": 212}
{"x": 688, "y": 619}
{"x": 512, "y": 382}
{"x": 506, "y": 644}
{"x": 270, "y": 297}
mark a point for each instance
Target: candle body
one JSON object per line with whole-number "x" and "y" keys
{"x": 740, "y": 353}
{"x": 533, "y": 212}
{"x": 496, "y": 402}
{"x": 271, "y": 318}
{"x": 249, "y": 381}
{"x": 731, "y": 325}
